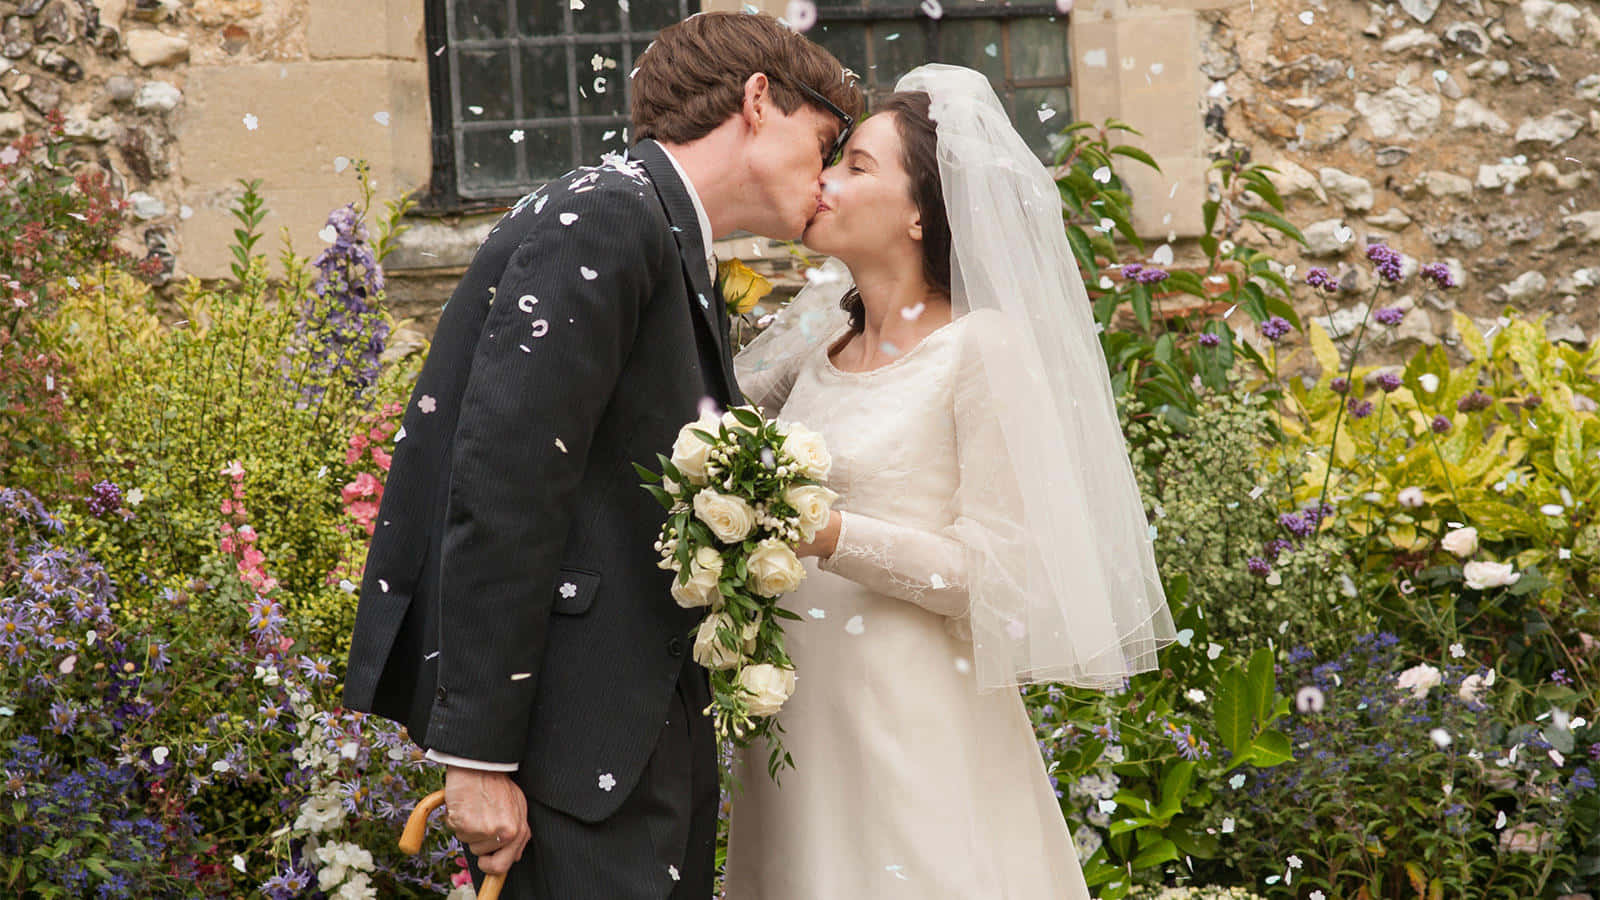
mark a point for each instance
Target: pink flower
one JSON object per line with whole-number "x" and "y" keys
{"x": 364, "y": 512}
{"x": 461, "y": 878}
{"x": 365, "y": 485}
{"x": 233, "y": 469}
{"x": 247, "y": 533}
{"x": 381, "y": 458}
{"x": 227, "y": 545}
{"x": 227, "y": 507}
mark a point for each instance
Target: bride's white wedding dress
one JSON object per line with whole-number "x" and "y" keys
{"x": 908, "y": 781}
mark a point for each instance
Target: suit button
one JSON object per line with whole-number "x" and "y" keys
{"x": 675, "y": 647}
{"x": 439, "y": 694}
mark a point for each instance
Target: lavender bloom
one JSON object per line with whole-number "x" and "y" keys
{"x": 1209, "y": 340}
{"x": 1299, "y": 525}
{"x": 1320, "y": 278}
{"x": 1440, "y": 425}
{"x": 316, "y": 669}
{"x": 1387, "y": 260}
{"x": 1131, "y": 271}
{"x": 1389, "y": 382}
{"x": 1151, "y": 275}
{"x": 1439, "y": 274}
{"x": 1339, "y": 384}
{"x": 104, "y": 499}
{"x": 1582, "y": 780}
{"x": 342, "y": 327}
{"x": 1189, "y": 746}
{"x": 1277, "y": 547}
{"x": 1475, "y": 401}
{"x": 1389, "y": 315}
{"x": 1360, "y": 409}
{"x": 1258, "y": 567}
{"x": 1275, "y": 327}
{"x": 63, "y": 718}
{"x": 1561, "y": 677}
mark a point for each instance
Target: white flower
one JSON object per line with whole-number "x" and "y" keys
{"x": 774, "y": 569}
{"x": 1429, "y": 381}
{"x": 807, "y": 448}
{"x": 1440, "y": 738}
{"x": 135, "y": 497}
{"x": 814, "y": 503}
{"x": 1463, "y": 542}
{"x": 337, "y": 860}
{"x": 1457, "y": 651}
{"x": 1419, "y": 680}
{"x": 1473, "y": 687}
{"x": 1295, "y": 862}
{"x": 357, "y": 887}
{"x": 1484, "y": 575}
{"x": 689, "y": 450}
{"x": 705, "y": 569}
{"x": 1310, "y": 699}
{"x": 709, "y": 651}
{"x": 320, "y": 812}
{"x": 1195, "y": 695}
{"x": 767, "y": 686}
{"x": 729, "y": 518}
{"x": 1411, "y": 496}
{"x": 1227, "y": 825}
{"x": 238, "y": 862}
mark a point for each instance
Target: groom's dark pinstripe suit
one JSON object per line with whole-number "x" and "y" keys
{"x": 512, "y": 610}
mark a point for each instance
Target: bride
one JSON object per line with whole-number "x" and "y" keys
{"x": 988, "y": 532}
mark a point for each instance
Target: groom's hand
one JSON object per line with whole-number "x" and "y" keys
{"x": 489, "y": 814}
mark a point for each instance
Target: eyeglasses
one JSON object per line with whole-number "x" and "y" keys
{"x": 848, "y": 124}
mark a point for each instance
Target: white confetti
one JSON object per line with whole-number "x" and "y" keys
{"x": 937, "y": 581}
{"x": 932, "y": 9}
{"x": 517, "y": 136}
{"x": 577, "y": 5}
{"x": 1227, "y": 825}
{"x": 568, "y": 218}
{"x": 521, "y": 675}
{"x": 912, "y": 313}
{"x": 382, "y": 118}
{"x": 560, "y": 446}
{"x": 1162, "y": 256}
{"x": 159, "y": 755}
{"x": 1307, "y": 17}
{"x": 475, "y": 110}
{"x": 607, "y": 781}
{"x": 383, "y": 585}
{"x": 251, "y": 123}
{"x": 400, "y": 435}
{"x": 1046, "y": 114}
{"x": 526, "y": 302}
{"x": 1440, "y": 738}
{"x": 540, "y": 328}
{"x": 1108, "y": 806}
{"x": 1103, "y": 174}
{"x": 427, "y": 404}
{"x": 588, "y": 273}
{"x": 854, "y": 626}
{"x": 672, "y": 872}
{"x": 816, "y": 613}
{"x": 1500, "y": 820}
{"x": 1237, "y": 781}
{"x": 569, "y": 590}
{"x": 1064, "y": 6}
{"x": 238, "y": 862}
{"x": 897, "y": 871}
{"x": 963, "y": 665}
{"x": 328, "y": 234}
{"x": 1213, "y": 651}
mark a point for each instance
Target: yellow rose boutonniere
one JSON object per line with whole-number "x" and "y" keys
{"x": 741, "y": 286}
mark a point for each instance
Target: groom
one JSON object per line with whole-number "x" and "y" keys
{"x": 512, "y": 615}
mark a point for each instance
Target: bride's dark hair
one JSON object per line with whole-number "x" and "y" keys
{"x": 919, "y": 156}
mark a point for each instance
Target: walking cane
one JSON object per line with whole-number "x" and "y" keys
{"x": 411, "y": 842}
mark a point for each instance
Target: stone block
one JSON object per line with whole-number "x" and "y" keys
{"x": 351, "y": 29}
{"x": 301, "y": 128}
{"x": 148, "y": 48}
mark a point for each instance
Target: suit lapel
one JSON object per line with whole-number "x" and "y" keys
{"x": 686, "y": 231}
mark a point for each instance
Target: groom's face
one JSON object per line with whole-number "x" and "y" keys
{"x": 787, "y": 156}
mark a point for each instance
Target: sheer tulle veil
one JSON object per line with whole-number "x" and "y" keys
{"x": 1060, "y": 569}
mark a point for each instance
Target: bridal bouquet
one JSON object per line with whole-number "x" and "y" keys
{"x": 740, "y": 491}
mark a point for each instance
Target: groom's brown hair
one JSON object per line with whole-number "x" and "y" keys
{"x": 691, "y": 79}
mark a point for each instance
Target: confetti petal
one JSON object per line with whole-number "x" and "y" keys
{"x": 382, "y": 118}
{"x": 855, "y": 626}
{"x": 568, "y": 218}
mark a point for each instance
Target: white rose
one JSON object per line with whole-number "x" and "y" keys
{"x": 1472, "y": 688}
{"x": 750, "y": 632}
{"x": 767, "y": 686}
{"x": 711, "y": 652}
{"x": 689, "y": 450}
{"x": 729, "y": 518}
{"x": 705, "y": 569}
{"x": 1419, "y": 680}
{"x": 809, "y": 451}
{"x": 1462, "y": 542}
{"x": 814, "y": 504}
{"x": 774, "y": 569}
{"x": 1411, "y": 496}
{"x": 1484, "y": 575}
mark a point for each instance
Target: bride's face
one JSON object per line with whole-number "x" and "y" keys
{"x": 866, "y": 209}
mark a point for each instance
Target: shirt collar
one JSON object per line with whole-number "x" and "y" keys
{"x": 694, "y": 197}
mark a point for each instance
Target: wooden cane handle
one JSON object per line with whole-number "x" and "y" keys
{"x": 411, "y": 842}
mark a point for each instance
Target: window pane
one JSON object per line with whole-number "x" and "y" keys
{"x": 489, "y": 159}
{"x": 600, "y": 16}
{"x": 478, "y": 21}
{"x": 539, "y": 18}
{"x": 544, "y": 82}
{"x": 897, "y": 48}
{"x": 485, "y": 76}
{"x": 653, "y": 15}
{"x": 974, "y": 44}
{"x": 847, "y": 43}
{"x": 1038, "y": 48}
{"x": 1041, "y": 113}
{"x": 600, "y": 91}
{"x": 598, "y": 139}
{"x": 549, "y": 153}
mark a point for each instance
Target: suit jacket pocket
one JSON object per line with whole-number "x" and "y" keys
{"x": 575, "y": 590}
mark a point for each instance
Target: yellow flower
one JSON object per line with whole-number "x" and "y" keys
{"x": 742, "y": 287}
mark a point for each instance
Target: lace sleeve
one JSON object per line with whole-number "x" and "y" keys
{"x": 921, "y": 567}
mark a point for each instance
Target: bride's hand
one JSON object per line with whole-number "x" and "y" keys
{"x": 824, "y": 542}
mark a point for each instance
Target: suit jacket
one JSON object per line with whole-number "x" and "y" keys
{"x": 512, "y": 609}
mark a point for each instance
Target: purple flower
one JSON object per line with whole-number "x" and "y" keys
{"x": 1475, "y": 401}
{"x": 1277, "y": 547}
{"x": 1209, "y": 340}
{"x": 1151, "y": 275}
{"x": 1360, "y": 409}
{"x": 1389, "y": 315}
{"x": 1189, "y": 746}
{"x": 1439, "y": 274}
{"x": 1297, "y": 524}
{"x": 1275, "y": 327}
{"x": 1440, "y": 425}
{"x": 104, "y": 499}
{"x": 1387, "y": 260}
{"x": 1320, "y": 278}
{"x": 341, "y": 325}
{"x": 1131, "y": 271}
{"x": 1258, "y": 567}
{"x": 1561, "y": 677}
{"x": 1339, "y": 384}
{"x": 318, "y": 669}
{"x": 1389, "y": 381}
{"x": 63, "y": 718}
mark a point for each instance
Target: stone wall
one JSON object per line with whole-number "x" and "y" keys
{"x": 1453, "y": 129}
{"x": 1458, "y": 130}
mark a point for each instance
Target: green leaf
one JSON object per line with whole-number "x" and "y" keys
{"x": 1141, "y": 305}
{"x": 1232, "y": 711}
{"x": 1159, "y": 851}
{"x": 1271, "y": 748}
{"x": 1263, "y": 684}
{"x": 746, "y": 418}
{"x": 646, "y": 474}
{"x": 1136, "y": 154}
{"x": 1277, "y": 223}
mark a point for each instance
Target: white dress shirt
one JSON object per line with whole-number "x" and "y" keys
{"x": 711, "y": 266}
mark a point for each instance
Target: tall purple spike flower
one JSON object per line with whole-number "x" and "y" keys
{"x": 343, "y": 327}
